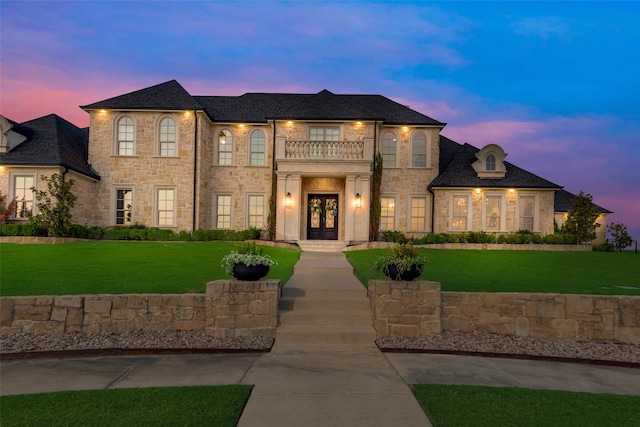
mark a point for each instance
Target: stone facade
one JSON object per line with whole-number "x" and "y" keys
{"x": 229, "y": 308}
{"x": 419, "y": 308}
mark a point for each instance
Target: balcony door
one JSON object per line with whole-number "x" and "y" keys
{"x": 322, "y": 217}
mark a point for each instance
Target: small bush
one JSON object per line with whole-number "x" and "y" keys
{"x": 605, "y": 247}
{"x": 394, "y": 236}
{"x": 81, "y": 232}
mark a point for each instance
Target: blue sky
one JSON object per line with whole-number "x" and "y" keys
{"x": 554, "y": 83}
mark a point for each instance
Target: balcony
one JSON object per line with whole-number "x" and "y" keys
{"x": 323, "y": 150}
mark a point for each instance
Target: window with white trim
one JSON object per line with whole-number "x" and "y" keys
{"x": 225, "y": 147}
{"x": 124, "y": 206}
{"x": 257, "y": 148}
{"x": 490, "y": 163}
{"x": 165, "y": 208}
{"x": 387, "y": 213}
{"x": 460, "y": 213}
{"x": 493, "y": 212}
{"x": 526, "y": 212}
{"x": 256, "y": 211}
{"x": 167, "y": 137}
{"x": 223, "y": 212}
{"x": 418, "y": 213}
{"x": 23, "y": 192}
{"x": 389, "y": 146}
{"x": 419, "y": 150}
{"x": 125, "y": 137}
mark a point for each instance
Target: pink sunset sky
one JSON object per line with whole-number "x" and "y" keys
{"x": 555, "y": 84}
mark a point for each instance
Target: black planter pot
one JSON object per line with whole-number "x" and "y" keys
{"x": 412, "y": 273}
{"x": 250, "y": 272}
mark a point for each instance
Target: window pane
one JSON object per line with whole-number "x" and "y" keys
{"x": 256, "y": 211}
{"x": 223, "y": 214}
{"x": 389, "y": 150}
{"x": 165, "y": 207}
{"x": 387, "y": 213}
{"x": 491, "y": 162}
{"x": 324, "y": 133}
{"x": 526, "y": 212}
{"x": 167, "y": 137}
{"x": 123, "y": 206}
{"x": 492, "y": 209}
{"x": 225, "y": 147}
{"x": 257, "y": 148}
{"x": 418, "y": 213}
{"x": 24, "y": 194}
{"x": 460, "y": 211}
{"x": 125, "y": 136}
{"x": 419, "y": 150}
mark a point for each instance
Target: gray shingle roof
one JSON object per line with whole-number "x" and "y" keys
{"x": 51, "y": 141}
{"x": 169, "y": 96}
{"x": 563, "y": 202}
{"x": 456, "y": 171}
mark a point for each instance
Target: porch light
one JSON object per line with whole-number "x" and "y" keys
{"x": 287, "y": 200}
{"x": 222, "y": 137}
{"x": 358, "y": 200}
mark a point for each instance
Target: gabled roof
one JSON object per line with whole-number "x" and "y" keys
{"x": 456, "y": 170}
{"x": 563, "y": 202}
{"x": 169, "y": 96}
{"x": 324, "y": 105}
{"x": 51, "y": 141}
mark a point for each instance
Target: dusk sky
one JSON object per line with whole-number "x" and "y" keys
{"x": 556, "y": 84}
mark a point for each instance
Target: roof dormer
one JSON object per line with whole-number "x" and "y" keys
{"x": 490, "y": 163}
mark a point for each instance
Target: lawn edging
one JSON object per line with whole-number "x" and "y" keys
{"x": 479, "y": 246}
{"x": 416, "y": 308}
{"x": 228, "y": 309}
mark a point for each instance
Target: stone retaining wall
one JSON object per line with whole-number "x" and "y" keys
{"x": 229, "y": 308}
{"x": 419, "y": 308}
{"x": 480, "y": 246}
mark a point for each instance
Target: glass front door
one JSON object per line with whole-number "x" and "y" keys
{"x": 322, "y": 217}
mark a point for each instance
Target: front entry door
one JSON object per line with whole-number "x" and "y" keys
{"x": 322, "y": 217}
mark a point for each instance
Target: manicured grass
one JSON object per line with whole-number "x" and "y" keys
{"x": 166, "y": 406}
{"x": 477, "y": 406}
{"x": 598, "y": 273}
{"x": 121, "y": 267}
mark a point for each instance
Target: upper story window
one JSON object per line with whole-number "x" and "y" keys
{"x": 324, "y": 133}
{"x": 125, "y": 136}
{"x": 491, "y": 162}
{"x": 257, "y": 148}
{"x": 419, "y": 150}
{"x": 389, "y": 144}
{"x": 167, "y": 137}
{"x": 225, "y": 147}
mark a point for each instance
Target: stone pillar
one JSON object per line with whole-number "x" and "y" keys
{"x": 350, "y": 208}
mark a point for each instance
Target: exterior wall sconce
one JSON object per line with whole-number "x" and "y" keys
{"x": 358, "y": 200}
{"x": 287, "y": 200}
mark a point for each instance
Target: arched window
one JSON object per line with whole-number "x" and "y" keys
{"x": 389, "y": 143}
{"x": 125, "y": 137}
{"x": 419, "y": 150}
{"x": 257, "y": 145}
{"x": 225, "y": 147}
{"x": 490, "y": 162}
{"x": 167, "y": 137}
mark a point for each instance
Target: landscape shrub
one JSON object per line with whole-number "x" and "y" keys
{"x": 605, "y": 247}
{"x": 394, "y": 236}
{"x": 81, "y": 232}
{"x": 27, "y": 229}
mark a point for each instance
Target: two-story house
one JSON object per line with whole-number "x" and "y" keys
{"x": 163, "y": 157}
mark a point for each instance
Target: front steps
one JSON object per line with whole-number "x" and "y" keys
{"x": 324, "y": 304}
{"x": 322, "y": 245}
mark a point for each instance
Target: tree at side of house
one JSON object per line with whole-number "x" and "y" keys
{"x": 581, "y": 218}
{"x": 621, "y": 238}
{"x": 7, "y": 211}
{"x": 54, "y": 205}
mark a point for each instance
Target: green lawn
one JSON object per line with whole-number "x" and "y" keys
{"x": 598, "y": 273}
{"x": 477, "y": 406}
{"x": 166, "y": 406}
{"x": 121, "y": 267}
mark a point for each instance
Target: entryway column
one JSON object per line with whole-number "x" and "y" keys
{"x": 288, "y": 217}
{"x": 350, "y": 207}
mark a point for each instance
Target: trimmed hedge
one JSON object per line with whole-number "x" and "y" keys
{"x": 519, "y": 237}
{"x": 135, "y": 232}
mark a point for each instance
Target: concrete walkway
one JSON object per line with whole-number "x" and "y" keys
{"x": 315, "y": 384}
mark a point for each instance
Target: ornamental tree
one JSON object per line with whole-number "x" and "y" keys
{"x": 581, "y": 218}
{"x": 621, "y": 238}
{"x": 54, "y": 205}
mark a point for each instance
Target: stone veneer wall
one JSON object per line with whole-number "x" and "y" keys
{"x": 229, "y": 308}
{"x": 419, "y": 308}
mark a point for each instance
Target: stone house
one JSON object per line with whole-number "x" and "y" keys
{"x": 165, "y": 158}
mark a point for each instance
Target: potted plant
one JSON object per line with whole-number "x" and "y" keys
{"x": 247, "y": 262}
{"x": 403, "y": 262}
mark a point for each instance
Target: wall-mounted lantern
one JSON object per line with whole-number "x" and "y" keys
{"x": 287, "y": 200}
{"x": 358, "y": 200}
